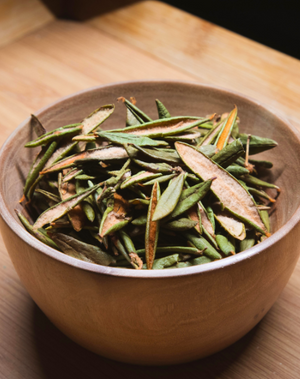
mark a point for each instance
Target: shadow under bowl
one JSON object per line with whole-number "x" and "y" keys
{"x": 156, "y": 317}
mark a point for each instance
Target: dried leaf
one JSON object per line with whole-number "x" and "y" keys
{"x": 162, "y": 110}
{"x": 232, "y": 195}
{"x": 225, "y": 133}
{"x": 121, "y": 138}
{"x": 234, "y": 227}
{"x": 53, "y": 136}
{"x": 96, "y": 118}
{"x": 115, "y": 217}
{"x": 139, "y": 178}
{"x": 94, "y": 254}
{"x": 99, "y": 154}
{"x": 160, "y": 128}
{"x": 76, "y": 215}
{"x": 152, "y": 228}
{"x": 62, "y": 208}
{"x": 169, "y": 198}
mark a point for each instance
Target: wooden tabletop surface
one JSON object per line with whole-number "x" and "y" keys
{"x": 42, "y": 59}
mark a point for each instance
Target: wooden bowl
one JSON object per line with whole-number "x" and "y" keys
{"x": 156, "y": 317}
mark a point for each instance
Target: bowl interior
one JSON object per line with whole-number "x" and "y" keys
{"x": 180, "y": 99}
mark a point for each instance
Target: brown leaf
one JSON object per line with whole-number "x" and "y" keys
{"x": 116, "y": 215}
{"x": 152, "y": 228}
{"x": 76, "y": 215}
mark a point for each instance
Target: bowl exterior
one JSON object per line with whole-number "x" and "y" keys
{"x": 155, "y": 318}
{"x": 155, "y": 321}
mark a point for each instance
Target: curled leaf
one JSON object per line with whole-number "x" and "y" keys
{"x": 225, "y": 133}
{"x": 164, "y": 127}
{"x": 152, "y": 230}
{"x": 74, "y": 247}
{"x": 232, "y": 195}
{"x": 96, "y": 118}
{"x": 115, "y": 217}
{"x": 98, "y": 154}
{"x": 62, "y": 208}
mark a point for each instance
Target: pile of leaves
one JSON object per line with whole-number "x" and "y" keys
{"x": 167, "y": 193}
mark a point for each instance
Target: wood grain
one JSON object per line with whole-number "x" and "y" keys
{"x": 209, "y": 53}
{"x": 19, "y": 17}
{"x": 153, "y": 41}
{"x": 36, "y": 70}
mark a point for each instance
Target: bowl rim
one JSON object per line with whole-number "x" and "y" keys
{"x": 18, "y": 229}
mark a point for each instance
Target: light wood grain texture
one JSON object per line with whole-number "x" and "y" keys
{"x": 30, "y": 346}
{"x": 19, "y": 17}
{"x": 210, "y": 54}
{"x": 65, "y": 57}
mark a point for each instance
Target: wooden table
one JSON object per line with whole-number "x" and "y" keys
{"x": 42, "y": 59}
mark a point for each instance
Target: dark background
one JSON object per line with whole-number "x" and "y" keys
{"x": 272, "y": 23}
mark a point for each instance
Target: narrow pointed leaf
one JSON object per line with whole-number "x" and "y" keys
{"x": 37, "y": 126}
{"x": 207, "y": 218}
{"x": 180, "y": 224}
{"x": 76, "y": 215}
{"x": 53, "y": 136}
{"x": 162, "y": 110}
{"x": 190, "y": 197}
{"x": 164, "y": 168}
{"x": 229, "y": 154}
{"x": 161, "y": 179}
{"x": 202, "y": 244}
{"x": 99, "y": 154}
{"x": 165, "y": 262}
{"x": 121, "y": 138}
{"x": 36, "y": 233}
{"x": 257, "y": 144}
{"x": 62, "y": 151}
{"x": 152, "y": 228}
{"x": 194, "y": 215}
{"x": 237, "y": 171}
{"x": 136, "y": 261}
{"x": 139, "y": 178}
{"x": 266, "y": 220}
{"x": 93, "y": 253}
{"x": 173, "y": 249}
{"x": 121, "y": 249}
{"x": 234, "y": 227}
{"x": 62, "y": 208}
{"x": 137, "y": 112}
{"x": 139, "y": 202}
{"x": 96, "y": 118}
{"x": 160, "y": 128}
{"x": 261, "y": 194}
{"x": 116, "y": 216}
{"x": 209, "y": 137}
{"x": 261, "y": 164}
{"x": 169, "y": 198}
{"x": 225, "y": 245}
{"x": 200, "y": 261}
{"x": 161, "y": 155}
{"x": 49, "y": 195}
{"x": 232, "y": 195}
{"x": 131, "y": 120}
{"x": 141, "y": 220}
{"x": 187, "y": 137}
{"x": 249, "y": 241}
{"x": 40, "y": 163}
{"x": 252, "y": 180}
{"x": 225, "y": 133}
